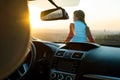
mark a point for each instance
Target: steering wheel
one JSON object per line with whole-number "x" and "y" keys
{"x": 26, "y": 67}
{"x": 43, "y": 61}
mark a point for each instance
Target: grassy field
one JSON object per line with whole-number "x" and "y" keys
{"x": 101, "y": 37}
{"x": 109, "y": 39}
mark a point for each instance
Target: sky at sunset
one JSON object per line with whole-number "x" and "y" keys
{"x": 100, "y": 15}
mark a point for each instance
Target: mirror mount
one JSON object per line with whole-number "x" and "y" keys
{"x": 53, "y": 3}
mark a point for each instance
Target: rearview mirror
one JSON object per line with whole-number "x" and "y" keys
{"x": 54, "y": 14}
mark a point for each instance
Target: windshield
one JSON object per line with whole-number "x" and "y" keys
{"x": 102, "y": 17}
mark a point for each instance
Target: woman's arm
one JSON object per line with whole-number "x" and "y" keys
{"x": 71, "y": 33}
{"x": 89, "y": 35}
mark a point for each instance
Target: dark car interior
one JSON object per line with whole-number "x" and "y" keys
{"x": 68, "y": 61}
{"x": 71, "y": 61}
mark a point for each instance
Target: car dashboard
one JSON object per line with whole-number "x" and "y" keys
{"x": 85, "y": 61}
{"x": 74, "y": 61}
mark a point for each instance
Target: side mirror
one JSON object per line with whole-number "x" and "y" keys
{"x": 54, "y": 14}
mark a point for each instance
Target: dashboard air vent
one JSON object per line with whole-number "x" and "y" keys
{"x": 60, "y": 53}
{"x": 77, "y": 55}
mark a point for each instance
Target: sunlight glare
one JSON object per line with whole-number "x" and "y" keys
{"x": 35, "y": 21}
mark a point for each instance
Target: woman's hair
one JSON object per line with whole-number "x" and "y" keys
{"x": 81, "y": 15}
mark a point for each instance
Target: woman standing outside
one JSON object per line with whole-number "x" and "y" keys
{"x": 79, "y": 31}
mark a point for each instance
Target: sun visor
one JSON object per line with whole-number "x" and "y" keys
{"x": 61, "y": 3}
